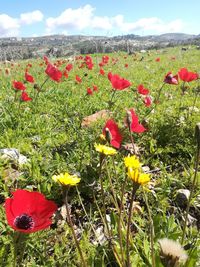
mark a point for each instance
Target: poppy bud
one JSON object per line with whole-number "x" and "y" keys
{"x": 128, "y": 118}
{"x": 108, "y": 135}
{"x": 36, "y": 86}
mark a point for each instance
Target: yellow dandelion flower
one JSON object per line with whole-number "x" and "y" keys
{"x": 132, "y": 162}
{"x": 138, "y": 177}
{"x": 106, "y": 150}
{"x": 66, "y": 179}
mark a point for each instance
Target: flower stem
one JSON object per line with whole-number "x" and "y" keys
{"x": 151, "y": 230}
{"x": 108, "y": 230}
{"x": 72, "y": 229}
{"x": 135, "y": 187}
{"x": 132, "y": 141}
{"x": 110, "y": 102}
{"x": 197, "y": 134}
{"x": 103, "y": 194}
{"x": 18, "y": 238}
{"x": 39, "y": 90}
{"x": 112, "y": 187}
{"x": 120, "y": 221}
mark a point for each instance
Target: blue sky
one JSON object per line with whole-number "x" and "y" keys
{"x": 143, "y": 17}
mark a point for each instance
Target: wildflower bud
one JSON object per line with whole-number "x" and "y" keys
{"x": 108, "y": 135}
{"x": 36, "y": 86}
{"x": 128, "y": 118}
{"x": 197, "y": 134}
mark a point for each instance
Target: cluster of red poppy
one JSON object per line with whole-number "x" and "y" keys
{"x": 112, "y": 133}
{"x": 183, "y": 74}
{"x": 90, "y": 91}
{"x": 118, "y": 83}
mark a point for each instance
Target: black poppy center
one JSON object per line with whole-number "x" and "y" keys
{"x": 24, "y": 222}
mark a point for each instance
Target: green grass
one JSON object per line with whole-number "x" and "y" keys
{"x": 48, "y": 131}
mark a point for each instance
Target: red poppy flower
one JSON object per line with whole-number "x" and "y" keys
{"x": 132, "y": 122}
{"x": 187, "y": 76}
{"x": 95, "y": 88}
{"x": 54, "y": 73}
{"x": 19, "y": 85}
{"x": 25, "y": 97}
{"x": 88, "y": 58}
{"x": 29, "y": 78}
{"x": 29, "y": 212}
{"x": 78, "y": 79}
{"x": 126, "y": 65}
{"x": 147, "y": 101}
{"x": 117, "y": 82}
{"x": 69, "y": 67}
{"x": 102, "y": 72}
{"x": 101, "y": 64}
{"x": 171, "y": 79}
{"x": 65, "y": 73}
{"x": 112, "y": 133}
{"x": 157, "y": 59}
{"x": 89, "y": 91}
{"x": 142, "y": 90}
{"x": 90, "y": 65}
{"x": 105, "y": 59}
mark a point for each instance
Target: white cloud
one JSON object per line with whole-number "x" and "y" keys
{"x": 8, "y": 26}
{"x": 84, "y": 19}
{"x": 146, "y": 25}
{"x": 72, "y": 19}
{"x": 31, "y": 17}
{"x": 101, "y": 23}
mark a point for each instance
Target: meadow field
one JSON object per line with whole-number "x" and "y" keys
{"x": 119, "y": 188}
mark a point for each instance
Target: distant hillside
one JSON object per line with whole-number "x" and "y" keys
{"x": 65, "y": 45}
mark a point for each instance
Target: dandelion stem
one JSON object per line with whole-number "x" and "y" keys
{"x": 108, "y": 231}
{"x": 135, "y": 187}
{"x": 72, "y": 229}
{"x": 112, "y": 187}
{"x": 102, "y": 159}
{"x": 120, "y": 220}
{"x": 151, "y": 230}
{"x": 197, "y": 133}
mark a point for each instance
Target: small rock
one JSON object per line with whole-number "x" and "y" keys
{"x": 10, "y": 174}
{"x": 146, "y": 169}
{"x": 182, "y": 197}
{"x": 193, "y": 109}
{"x": 102, "y": 114}
{"x": 14, "y": 155}
{"x": 197, "y": 202}
{"x": 191, "y": 220}
{"x": 100, "y": 237}
{"x": 129, "y": 147}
